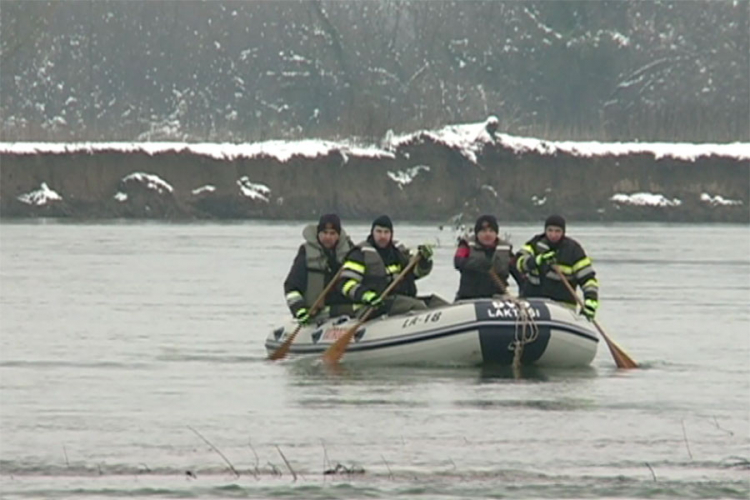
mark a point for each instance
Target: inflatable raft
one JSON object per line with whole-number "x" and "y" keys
{"x": 472, "y": 332}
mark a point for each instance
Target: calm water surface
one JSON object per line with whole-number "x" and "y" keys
{"x": 132, "y": 364}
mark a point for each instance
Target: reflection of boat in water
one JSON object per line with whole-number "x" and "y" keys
{"x": 469, "y": 332}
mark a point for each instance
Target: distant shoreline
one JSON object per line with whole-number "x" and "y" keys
{"x": 348, "y": 222}
{"x": 426, "y": 176}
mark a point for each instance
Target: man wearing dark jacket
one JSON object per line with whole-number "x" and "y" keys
{"x": 318, "y": 260}
{"x": 538, "y": 256}
{"x": 375, "y": 263}
{"x": 477, "y": 259}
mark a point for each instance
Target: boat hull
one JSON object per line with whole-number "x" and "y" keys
{"x": 472, "y": 332}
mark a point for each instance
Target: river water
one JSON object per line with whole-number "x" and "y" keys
{"x": 132, "y": 364}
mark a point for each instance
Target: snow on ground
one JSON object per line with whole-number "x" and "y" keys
{"x": 404, "y": 177}
{"x": 208, "y": 188}
{"x": 40, "y": 197}
{"x": 490, "y": 189}
{"x": 538, "y": 201}
{"x": 469, "y": 139}
{"x": 283, "y": 151}
{"x": 718, "y": 200}
{"x": 151, "y": 181}
{"x": 253, "y": 190}
{"x": 645, "y": 200}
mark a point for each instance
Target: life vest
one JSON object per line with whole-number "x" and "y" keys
{"x": 317, "y": 263}
{"x": 378, "y": 275}
{"x": 572, "y": 262}
{"x": 477, "y": 284}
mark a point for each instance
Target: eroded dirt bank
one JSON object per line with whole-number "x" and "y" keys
{"x": 422, "y": 176}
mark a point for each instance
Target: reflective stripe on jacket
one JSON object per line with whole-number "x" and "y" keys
{"x": 365, "y": 270}
{"x": 319, "y": 269}
{"x": 573, "y": 263}
{"x": 313, "y": 269}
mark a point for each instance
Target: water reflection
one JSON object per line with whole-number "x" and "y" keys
{"x": 492, "y": 373}
{"x": 305, "y": 371}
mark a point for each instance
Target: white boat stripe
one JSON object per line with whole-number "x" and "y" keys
{"x": 453, "y": 329}
{"x": 471, "y": 325}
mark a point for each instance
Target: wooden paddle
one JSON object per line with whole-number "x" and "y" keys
{"x": 622, "y": 360}
{"x": 317, "y": 305}
{"x": 335, "y": 351}
{"x": 499, "y": 282}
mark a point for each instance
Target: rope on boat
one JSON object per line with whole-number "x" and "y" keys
{"x": 526, "y": 329}
{"x": 526, "y": 332}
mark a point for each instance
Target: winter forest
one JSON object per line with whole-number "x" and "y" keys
{"x": 245, "y": 71}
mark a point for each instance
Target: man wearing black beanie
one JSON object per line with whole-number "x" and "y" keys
{"x": 382, "y": 221}
{"x": 318, "y": 260}
{"x": 555, "y": 221}
{"x": 553, "y": 248}
{"x": 481, "y": 256}
{"x": 486, "y": 222}
{"x": 375, "y": 263}
{"x": 329, "y": 222}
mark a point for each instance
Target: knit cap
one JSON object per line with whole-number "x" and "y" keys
{"x": 486, "y": 221}
{"x": 382, "y": 221}
{"x": 555, "y": 220}
{"x": 329, "y": 221}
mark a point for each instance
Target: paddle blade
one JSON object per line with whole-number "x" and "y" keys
{"x": 622, "y": 360}
{"x": 336, "y": 351}
{"x": 283, "y": 349}
{"x": 333, "y": 354}
{"x": 319, "y": 302}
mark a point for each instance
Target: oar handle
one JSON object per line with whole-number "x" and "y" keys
{"x": 320, "y": 301}
{"x": 412, "y": 264}
{"x": 502, "y": 285}
{"x": 284, "y": 348}
{"x": 335, "y": 351}
{"x": 568, "y": 286}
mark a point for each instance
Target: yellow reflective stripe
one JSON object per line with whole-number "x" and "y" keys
{"x": 592, "y": 283}
{"x": 581, "y": 264}
{"x": 348, "y": 286}
{"x": 354, "y": 266}
{"x": 393, "y": 269}
{"x": 565, "y": 269}
{"x": 527, "y": 251}
{"x": 520, "y": 263}
{"x": 293, "y": 295}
